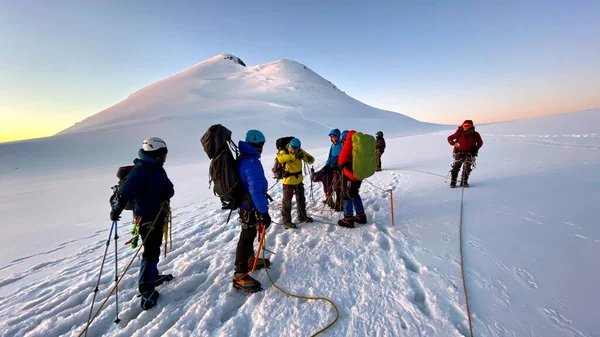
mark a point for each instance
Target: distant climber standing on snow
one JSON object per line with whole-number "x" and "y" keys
{"x": 254, "y": 209}
{"x": 380, "y": 148}
{"x": 292, "y": 158}
{"x": 466, "y": 142}
{"x": 148, "y": 185}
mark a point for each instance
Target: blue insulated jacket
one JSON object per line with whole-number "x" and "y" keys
{"x": 253, "y": 178}
{"x": 148, "y": 185}
{"x": 334, "y": 151}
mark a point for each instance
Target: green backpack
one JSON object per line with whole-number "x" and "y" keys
{"x": 364, "y": 161}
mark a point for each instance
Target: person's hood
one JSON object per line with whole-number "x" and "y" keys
{"x": 146, "y": 158}
{"x": 248, "y": 150}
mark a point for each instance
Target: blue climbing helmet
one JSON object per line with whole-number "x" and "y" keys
{"x": 344, "y": 133}
{"x": 255, "y": 137}
{"x": 335, "y": 132}
{"x": 295, "y": 144}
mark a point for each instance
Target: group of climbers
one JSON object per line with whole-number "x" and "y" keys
{"x": 149, "y": 187}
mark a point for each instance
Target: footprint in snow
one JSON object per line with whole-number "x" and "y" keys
{"x": 367, "y": 237}
{"x": 526, "y": 278}
{"x": 563, "y": 322}
{"x": 384, "y": 243}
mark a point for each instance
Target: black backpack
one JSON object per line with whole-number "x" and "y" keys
{"x": 122, "y": 173}
{"x": 278, "y": 168}
{"x": 223, "y": 171}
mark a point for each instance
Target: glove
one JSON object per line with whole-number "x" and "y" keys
{"x": 115, "y": 215}
{"x": 456, "y": 145}
{"x": 265, "y": 219}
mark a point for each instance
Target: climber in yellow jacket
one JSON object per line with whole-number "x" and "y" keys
{"x": 291, "y": 159}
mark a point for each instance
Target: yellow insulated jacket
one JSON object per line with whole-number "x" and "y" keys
{"x": 292, "y": 165}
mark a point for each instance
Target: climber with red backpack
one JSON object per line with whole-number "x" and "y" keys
{"x": 358, "y": 161}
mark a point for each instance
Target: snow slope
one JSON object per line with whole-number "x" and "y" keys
{"x": 531, "y": 248}
{"x": 282, "y": 97}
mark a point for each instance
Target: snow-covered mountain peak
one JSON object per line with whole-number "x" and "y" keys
{"x": 280, "y": 98}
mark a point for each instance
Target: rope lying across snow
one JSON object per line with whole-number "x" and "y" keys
{"x": 263, "y": 249}
{"x": 462, "y": 269}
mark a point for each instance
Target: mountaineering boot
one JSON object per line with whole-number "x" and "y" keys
{"x": 464, "y": 183}
{"x": 347, "y": 222}
{"x": 360, "y": 218}
{"x": 149, "y": 299}
{"x": 289, "y": 225}
{"x": 378, "y": 169}
{"x": 160, "y": 279}
{"x": 306, "y": 219}
{"x": 245, "y": 282}
{"x": 262, "y": 263}
{"x": 453, "y": 183}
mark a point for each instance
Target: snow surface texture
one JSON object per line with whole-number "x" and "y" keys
{"x": 530, "y": 234}
{"x": 283, "y": 97}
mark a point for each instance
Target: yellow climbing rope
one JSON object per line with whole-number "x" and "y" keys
{"x": 168, "y": 229}
{"x": 337, "y": 313}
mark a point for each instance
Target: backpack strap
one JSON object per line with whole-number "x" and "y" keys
{"x": 289, "y": 174}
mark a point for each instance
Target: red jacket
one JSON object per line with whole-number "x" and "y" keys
{"x": 345, "y": 158}
{"x": 470, "y": 141}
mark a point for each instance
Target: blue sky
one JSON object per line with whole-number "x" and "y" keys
{"x": 437, "y": 61}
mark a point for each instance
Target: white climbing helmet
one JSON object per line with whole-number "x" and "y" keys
{"x": 153, "y": 144}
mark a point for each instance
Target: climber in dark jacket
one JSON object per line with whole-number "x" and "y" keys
{"x": 466, "y": 142}
{"x": 149, "y": 187}
{"x": 380, "y": 148}
{"x": 254, "y": 209}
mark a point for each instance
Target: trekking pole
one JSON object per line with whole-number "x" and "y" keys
{"x": 100, "y": 274}
{"x": 124, "y": 273}
{"x": 392, "y": 206}
{"x": 117, "y": 320}
{"x": 311, "y": 171}
{"x": 451, "y": 167}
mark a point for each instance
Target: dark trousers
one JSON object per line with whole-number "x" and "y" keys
{"x": 379, "y": 160}
{"x": 327, "y": 180}
{"x": 151, "y": 254}
{"x": 351, "y": 188}
{"x": 286, "y": 207}
{"x": 332, "y": 184}
{"x": 245, "y": 246}
{"x": 459, "y": 159}
{"x": 336, "y": 187}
